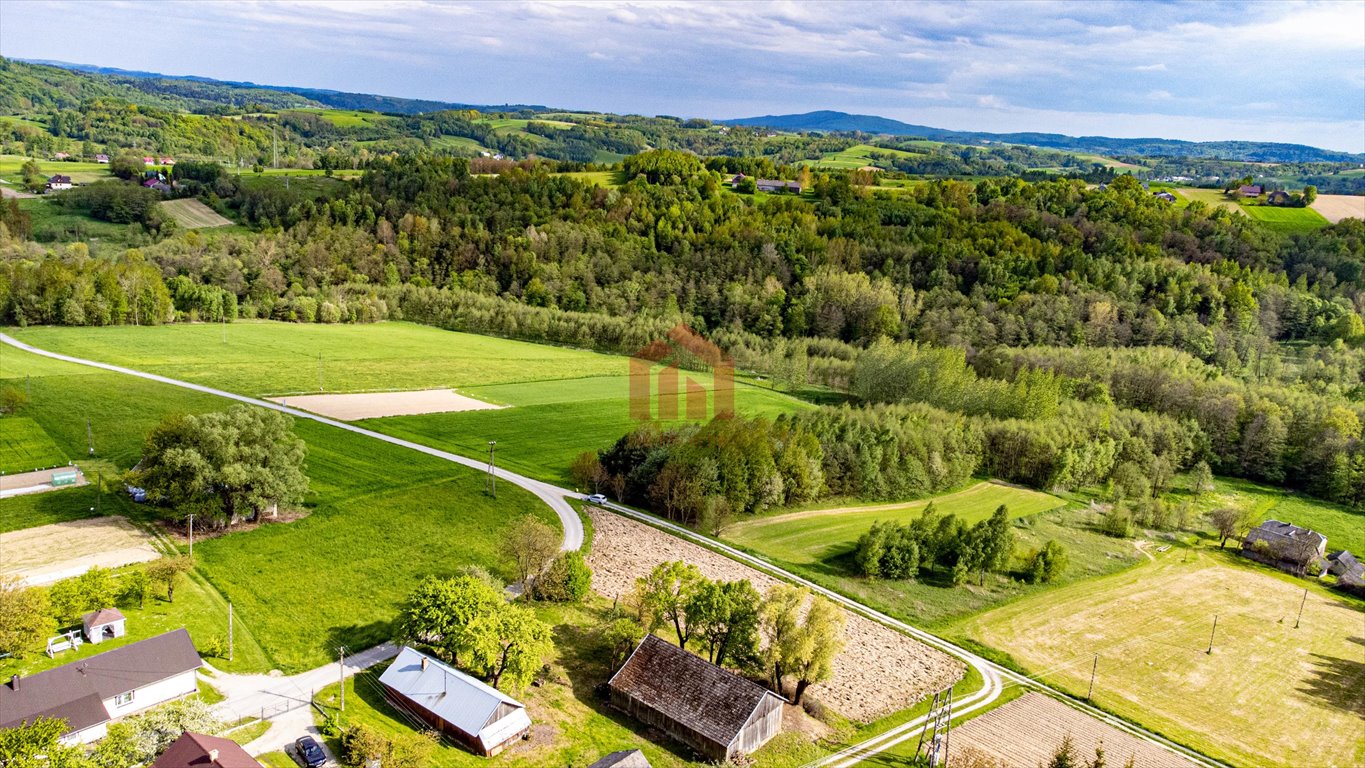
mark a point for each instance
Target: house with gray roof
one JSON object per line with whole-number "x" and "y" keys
{"x": 1284, "y": 545}
{"x": 91, "y": 693}
{"x": 479, "y": 716}
{"x": 716, "y": 712}
{"x": 629, "y": 758}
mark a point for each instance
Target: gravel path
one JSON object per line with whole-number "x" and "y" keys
{"x": 880, "y": 671}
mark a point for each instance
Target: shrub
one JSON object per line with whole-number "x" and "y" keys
{"x": 567, "y": 580}
{"x": 1049, "y": 563}
{"x": 1117, "y": 522}
{"x": 214, "y": 646}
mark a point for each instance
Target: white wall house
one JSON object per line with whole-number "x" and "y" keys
{"x": 91, "y": 693}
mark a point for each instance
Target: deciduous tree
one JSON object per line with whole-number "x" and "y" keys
{"x": 25, "y": 617}
{"x": 530, "y": 545}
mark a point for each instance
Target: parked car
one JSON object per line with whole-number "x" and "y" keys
{"x": 597, "y": 498}
{"x": 310, "y": 752}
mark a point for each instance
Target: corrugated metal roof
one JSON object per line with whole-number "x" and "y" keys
{"x": 446, "y": 692}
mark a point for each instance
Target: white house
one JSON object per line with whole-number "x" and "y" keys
{"x": 104, "y": 624}
{"x": 91, "y": 693}
{"x": 477, "y": 715}
{"x": 58, "y": 183}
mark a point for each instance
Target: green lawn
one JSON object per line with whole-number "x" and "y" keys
{"x": 380, "y": 516}
{"x": 608, "y": 179}
{"x": 24, "y": 446}
{"x": 80, "y": 172}
{"x": 1287, "y": 220}
{"x": 564, "y": 401}
{"x": 1151, "y": 627}
{"x": 819, "y": 547}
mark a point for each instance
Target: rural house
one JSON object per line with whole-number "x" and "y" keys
{"x": 90, "y": 693}
{"x": 61, "y": 155}
{"x": 1344, "y": 563}
{"x": 1285, "y": 546}
{"x": 104, "y": 624}
{"x": 193, "y": 750}
{"x": 1164, "y": 195}
{"x": 101, "y": 158}
{"x": 1249, "y": 190}
{"x": 717, "y": 713}
{"x": 773, "y": 185}
{"x": 1278, "y": 197}
{"x": 631, "y": 758}
{"x": 58, "y": 183}
{"x": 480, "y": 717}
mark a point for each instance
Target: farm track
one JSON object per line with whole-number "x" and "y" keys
{"x": 995, "y": 676}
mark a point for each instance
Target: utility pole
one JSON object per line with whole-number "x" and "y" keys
{"x": 229, "y": 631}
{"x": 191, "y": 537}
{"x": 492, "y": 477}
{"x": 341, "y": 667}
{"x": 1093, "y": 669}
{"x": 90, "y": 437}
{"x": 1301, "y": 602}
{"x": 99, "y": 492}
{"x": 1212, "y": 633}
{"x": 320, "y": 371}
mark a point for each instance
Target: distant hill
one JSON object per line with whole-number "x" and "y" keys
{"x": 1251, "y": 151}
{"x": 231, "y": 92}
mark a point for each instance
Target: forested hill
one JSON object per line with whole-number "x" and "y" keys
{"x": 1249, "y": 151}
{"x": 233, "y": 92}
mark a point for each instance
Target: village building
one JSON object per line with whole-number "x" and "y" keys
{"x": 91, "y": 693}
{"x": 1164, "y": 195}
{"x": 1249, "y": 190}
{"x": 104, "y": 624}
{"x": 775, "y": 185}
{"x": 1342, "y": 563}
{"x": 58, "y": 183}
{"x": 101, "y": 158}
{"x": 716, "y": 712}
{"x": 1285, "y": 546}
{"x": 630, "y": 758}
{"x": 198, "y": 750}
{"x": 1278, "y": 197}
{"x": 479, "y": 716}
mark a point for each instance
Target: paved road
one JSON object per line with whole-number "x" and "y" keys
{"x": 550, "y": 494}
{"x": 995, "y": 676}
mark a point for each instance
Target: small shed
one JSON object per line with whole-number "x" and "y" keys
{"x": 64, "y": 477}
{"x": 716, "y": 712}
{"x": 629, "y": 758}
{"x": 479, "y": 716}
{"x": 1343, "y": 562}
{"x": 1278, "y": 197}
{"x": 104, "y": 624}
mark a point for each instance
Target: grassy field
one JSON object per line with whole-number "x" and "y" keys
{"x": 1344, "y": 528}
{"x": 24, "y": 446}
{"x": 1151, "y": 628}
{"x": 1214, "y": 198}
{"x": 858, "y": 156}
{"x": 380, "y": 517}
{"x": 55, "y": 224}
{"x": 348, "y": 118}
{"x": 819, "y": 547}
{"x": 191, "y": 213}
{"x": 608, "y": 179}
{"x": 81, "y": 173}
{"x": 565, "y": 401}
{"x": 1287, "y": 220}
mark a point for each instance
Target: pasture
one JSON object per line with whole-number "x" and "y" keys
{"x": 1151, "y": 628}
{"x": 860, "y": 155}
{"x": 80, "y": 172}
{"x": 191, "y": 213}
{"x": 378, "y": 517}
{"x": 24, "y": 446}
{"x": 564, "y": 401}
{"x": 1214, "y": 198}
{"x": 1343, "y": 527}
{"x": 1286, "y": 220}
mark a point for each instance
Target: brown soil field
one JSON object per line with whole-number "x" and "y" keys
{"x": 193, "y": 214}
{"x": 374, "y": 405}
{"x": 880, "y": 670}
{"x": 51, "y": 553}
{"x": 1026, "y": 732}
{"x": 1334, "y": 208}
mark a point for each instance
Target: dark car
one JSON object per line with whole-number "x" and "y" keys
{"x": 310, "y": 753}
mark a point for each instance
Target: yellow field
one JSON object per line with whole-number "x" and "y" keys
{"x": 193, "y": 214}
{"x": 1268, "y": 695}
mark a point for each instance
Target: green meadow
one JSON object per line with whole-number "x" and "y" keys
{"x": 562, "y": 401}
{"x": 24, "y": 446}
{"x": 858, "y": 156}
{"x": 376, "y": 519}
{"x": 1343, "y": 527}
{"x": 1286, "y": 220}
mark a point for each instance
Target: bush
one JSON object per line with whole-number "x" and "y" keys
{"x": 214, "y": 646}
{"x": 1049, "y": 563}
{"x": 1117, "y": 522}
{"x": 567, "y": 580}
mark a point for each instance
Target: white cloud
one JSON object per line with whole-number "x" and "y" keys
{"x": 1157, "y": 67}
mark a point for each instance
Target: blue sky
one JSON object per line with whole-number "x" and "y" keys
{"x": 1271, "y": 71}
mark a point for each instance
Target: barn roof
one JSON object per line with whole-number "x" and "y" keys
{"x": 444, "y": 691}
{"x": 75, "y": 692}
{"x": 630, "y": 758}
{"x": 688, "y": 689}
{"x": 1274, "y": 530}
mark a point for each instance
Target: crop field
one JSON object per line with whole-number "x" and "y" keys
{"x": 1151, "y": 628}
{"x": 191, "y": 213}
{"x": 858, "y": 156}
{"x": 59, "y": 551}
{"x": 1287, "y": 220}
{"x": 1334, "y": 208}
{"x": 819, "y": 546}
{"x": 564, "y": 401}
{"x": 1343, "y": 527}
{"x": 24, "y": 446}
{"x": 379, "y": 517}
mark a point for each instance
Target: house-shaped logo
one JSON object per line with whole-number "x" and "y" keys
{"x": 680, "y": 347}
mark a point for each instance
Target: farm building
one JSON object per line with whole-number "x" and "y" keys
{"x": 480, "y": 717}
{"x": 193, "y": 750}
{"x": 101, "y": 158}
{"x": 58, "y": 183}
{"x": 1278, "y": 197}
{"x": 104, "y": 624}
{"x": 1284, "y": 545}
{"x": 90, "y": 693}
{"x": 774, "y": 185}
{"x": 1164, "y": 195}
{"x": 1344, "y": 563}
{"x": 631, "y": 758}
{"x": 716, "y": 712}
{"x": 1249, "y": 190}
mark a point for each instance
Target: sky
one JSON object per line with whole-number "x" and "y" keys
{"x": 1264, "y": 71}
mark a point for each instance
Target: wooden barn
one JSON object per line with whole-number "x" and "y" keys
{"x": 479, "y": 716}
{"x": 716, "y": 712}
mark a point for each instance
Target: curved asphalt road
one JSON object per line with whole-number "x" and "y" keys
{"x": 995, "y": 676}
{"x": 550, "y": 494}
